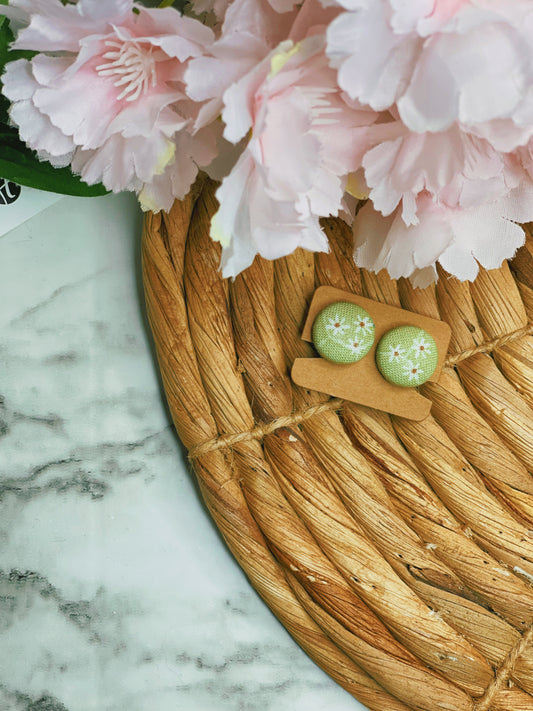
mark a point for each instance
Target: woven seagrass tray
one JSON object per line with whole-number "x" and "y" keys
{"x": 398, "y": 554}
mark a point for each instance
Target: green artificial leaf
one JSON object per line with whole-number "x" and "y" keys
{"x": 5, "y": 38}
{"x": 20, "y": 165}
{"x": 4, "y": 109}
{"x": 178, "y": 4}
{"x": 8, "y": 55}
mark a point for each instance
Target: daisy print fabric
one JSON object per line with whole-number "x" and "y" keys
{"x": 407, "y": 356}
{"x": 343, "y": 333}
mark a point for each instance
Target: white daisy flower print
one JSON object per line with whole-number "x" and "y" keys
{"x": 395, "y": 353}
{"x": 337, "y": 325}
{"x": 355, "y": 346}
{"x": 363, "y": 323}
{"x": 422, "y": 347}
{"x": 413, "y": 371}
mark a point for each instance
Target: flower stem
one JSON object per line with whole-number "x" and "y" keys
{"x": 166, "y": 3}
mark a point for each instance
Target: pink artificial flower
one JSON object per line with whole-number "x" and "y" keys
{"x": 304, "y": 140}
{"x": 106, "y": 94}
{"x": 459, "y": 239}
{"x": 251, "y": 30}
{"x": 447, "y": 197}
{"x": 374, "y": 62}
{"x": 456, "y": 169}
{"x": 447, "y": 171}
{"x": 192, "y": 150}
{"x": 424, "y": 16}
{"x": 441, "y": 61}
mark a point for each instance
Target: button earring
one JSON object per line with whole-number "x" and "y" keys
{"x": 407, "y": 356}
{"x": 343, "y": 332}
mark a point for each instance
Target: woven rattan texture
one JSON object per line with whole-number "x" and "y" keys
{"x": 398, "y": 554}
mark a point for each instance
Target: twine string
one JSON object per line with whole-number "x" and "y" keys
{"x": 504, "y": 672}
{"x": 489, "y": 346}
{"x": 262, "y": 430}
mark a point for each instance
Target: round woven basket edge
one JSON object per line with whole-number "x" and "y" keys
{"x": 397, "y": 554}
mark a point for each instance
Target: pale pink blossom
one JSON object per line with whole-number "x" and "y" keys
{"x": 455, "y": 168}
{"x": 192, "y": 150}
{"x": 303, "y": 141}
{"x": 425, "y": 107}
{"x": 440, "y": 61}
{"x": 459, "y": 239}
{"x": 449, "y": 171}
{"x": 112, "y": 101}
{"x": 52, "y": 26}
{"x": 424, "y": 16}
{"x": 251, "y": 30}
{"x": 447, "y": 197}
{"x": 374, "y": 62}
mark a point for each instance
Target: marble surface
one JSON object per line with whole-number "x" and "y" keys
{"x": 116, "y": 591}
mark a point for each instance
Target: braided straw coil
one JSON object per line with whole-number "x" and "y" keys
{"x": 398, "y": 554}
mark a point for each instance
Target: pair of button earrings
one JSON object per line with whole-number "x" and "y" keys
{"x": 344, "y": 332}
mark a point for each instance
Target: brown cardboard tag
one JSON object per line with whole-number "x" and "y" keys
{"x": 362, "y": 382}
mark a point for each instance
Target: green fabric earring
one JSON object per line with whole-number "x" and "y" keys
{"x": 407, "y": 356}
{"x": 343, "y": 332}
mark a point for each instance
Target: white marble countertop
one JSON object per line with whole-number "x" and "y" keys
{"x": 116, "y": 591}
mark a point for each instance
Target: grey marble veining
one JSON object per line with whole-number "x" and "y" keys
{"x": 116, "y": 591}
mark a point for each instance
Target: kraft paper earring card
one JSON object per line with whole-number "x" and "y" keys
{"x": 362, "y": 382}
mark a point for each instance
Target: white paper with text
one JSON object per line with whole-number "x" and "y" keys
{"x": 18, "y": 204}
